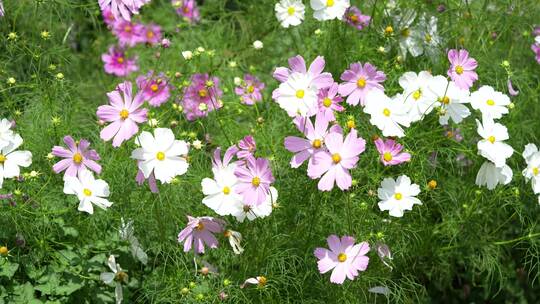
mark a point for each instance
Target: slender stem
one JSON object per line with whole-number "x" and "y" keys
{"x": 528, "y": 236}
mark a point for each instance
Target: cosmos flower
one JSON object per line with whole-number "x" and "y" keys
{"x": 77, "y": 157}
{"x": 187, "y": 9}
{"x": 89, "y": 191}
{"x": 253, "y": 211}
{"x": 122, "y": 9}
{"x": 116, "y": 277}
{"x": 359, "y": 81}
{"x": 108, "y": 17}
{"x": 200, "y": 232}
{"x": 390, "y": 152}
{"x": 246, "y": 147}
{"x": 290, "y": 12}
{"x": 490, "y": 175}
{"x": 462, "y": 68}
{"x": 492, "y": 145}
{"x": 201, "y": 97}
{"x": 345, "y": 258}
{"x": 161, "y": 154}
{"x": 1, "y": 9}
{"x": 11, "y": 160}
{"x": 409, "y": 36}
{"x": 235, "y": 238}
{"x": 314, "y": 75}
{"x": 398, "y": 195}
{"x": 329, "y": 9}
{"x": 260, "y": 281}
{"x": 329, "y": 101}
{"x": 127, "y": 233}
{"x": 6, "y": 134}
{"x": 535, "y": 47}
{"x": 155, "y": 88}
{"x": 532, "y": 172}
{"x": 250, "y": 90}
{"x": 334, "y": 165}
{"x": 152, "y": 183}
{"x": 419, "y": 98}
{"x": 427, "y": 33}
{"x": 254, "y": 180}
{"x": 151, "y": 34}
{"x": 354, "y": 17}
{"x": 124, "y": 113}
{"x": 387, "y": 114}
{"x": 128, "y": 33}
{"x": 298, "y": 96}
{"x": 116, "y": 63}
{"x": 451, "y": 98}
{"x": 490, "y": 102}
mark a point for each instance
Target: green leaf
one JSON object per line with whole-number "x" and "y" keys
{"x": 8, "y": 269}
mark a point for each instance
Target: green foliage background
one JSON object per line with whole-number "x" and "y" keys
{"x": 465, "y": 244}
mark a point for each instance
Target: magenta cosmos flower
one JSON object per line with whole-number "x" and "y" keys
{"x": 535, "y": 47}
{"x": 246, "y": 147}
{"x": 329, "y": 101}
{"x": 345, "y": 258}
{"x": 353, "y": 16}
{"x": 122, "y": 9}
{"x": 155, "y": 89}
{"x": 254, "y": 180}
{"x": 305, "y": 148}
{"x": 462, "y": 68}
{"x": 201, "y": 96}
{"x": 187, "y": 9}
{"x": 250, "y": 91}
{"x": 128, "y": 33}
{"x": 199, "y": 232}
{"x": 123, "y": 113}
{"x": 77, "y": 157}
{"x": 117, "y": 64}
{"x": 151, "y": 34}
{"x": 342, "y": 155}
{"x": 108, "y": 17}
{"x": 360, "y": 79}
{"x": 390, "y": 152}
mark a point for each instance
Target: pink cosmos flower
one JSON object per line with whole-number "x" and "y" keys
{"x": 329, "y": 101}
{"x": 1, "y": 9}
{"x": 188, "y": 9}
{"x": 305, "y": 148}
{"x": 254, "y": 180}
{"x": 123, "y": 113}
{"x": 219, "y": 164}
{"x": 108, "y": 17}
{"x": 155, "y": 89}
{"x": 536, "y": 49}
{"x": 128, "y": 33}
{"x": 390, "y": 152}
{"x": 250, "y": 90}
{"x": 462, "y": 68}
{"x": 117, "y": 64}
{"x": 77, "y": 157}
{"x": 151, "y": 34}
{"x": 297, "y": 65}
{"x": 342, "y": 155}
{"x": 152, "y": 183}
{"x": 511, "y": 90}
{"x": 353, "y": 16}
{"x": 247, "y": 147}
{"x": 201, "y": 96}
{"x": 199, "y": 232}
{"x": 360, "y": 79}
{"x": 122, "y": 9}
{"x": 344, "y": 257}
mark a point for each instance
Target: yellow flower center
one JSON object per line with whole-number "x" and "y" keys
{"x": 427, "y": 37}
{"x": 300, "y": 94}
{"x": 154, "y": 87}
{"x": 120, "y": 59}
{"x": 160, "y": 156}
{"x": 2, "y": 158}
{"x": 200, "y": 226}
{"x": 291, "y": 10}
{"x": 398, "y": 196}
{"x": 405, "y": 32}
{"x": 388, "y": 30}
{"x": 226, "y": 190}
{"x": 149, "y": 35}
{"x": 387, "y": 156}
{"x": 256, "y": 181}
{"x": 4, "y": 251}
{"x": 87, "y": 192}
{"x": 77, "y": 158}
{"x": 227, "y": 233}
{"x": 336, "y": 158}
{"x": 459, "y": 70}
{"x": 127, "y": 28}
{"x": 386, "y": 112}
{"x": 491, "y": 139}
{"x": 342, "y": 257}
{"x": 329, "y": 3}
{"x": 124, "y": 114}
{"x": 353, "y": 18}
{"x": 417, "y": 94}
{"x": 445, "y": 100}
{"x": 351, "y": 124}
{"x": 327, "y": 102}
{"x": 432, "y": 184}
{"x": 361, "y": 82}
{"x": 535, "y": 171}
{"x": 317, "y": 143}
{"x": 262, "y": 281}
{"x": 203, "y": 92}
{"x": 251, "y": 89}
{"x": 490, "y": 102}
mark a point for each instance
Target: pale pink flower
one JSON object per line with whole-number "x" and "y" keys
{"x": 152, "y": 183}
{"x": 188, "y": 9}
{"x": 122, "y": 9}
{"x": 462, "y": 68}
{"x": 250, "y": 91}
{"x": 246, "y": 147}
{"x": 354, "y": 17}
{"x": 360, "y": 80}
{"x": 116, "y": 63}
{"x": 390, "y": 152}
{"x": 77, "y": 157}
{"x": 200, "y": 232}
{"x": 254, "y": 180}
{"x": 329, "y": 101}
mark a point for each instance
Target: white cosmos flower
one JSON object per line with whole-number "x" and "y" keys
{"x": 329, "y": 9}
{"x": 386, "y": 113}
{"x": 490, "y": 102}
{"x": 419, "y": 98}
{"x": 298, "y": 96}
{"x": 491, "y": 146}
{"x": 290, "y": 12}
{"x": 451, "y": 98}
{"x": 117, "y": 276}
{"x": 6, "y": 134}
{"x": 235, "y": 238}
{"x": 253, "y": 211}
{"x": 409, "y": 39}
{"x": 88, "y": 190}
{"x": 490, "y": 175}
{"x": 398, "y": 195}
{"x": 11, "y": 160}
{"x": 162, "y": 154}
{"x": 221, "y": 193}
{"x": 127, "y": 233}
{"x": 427, "y": 32}
{"x": 532, "y": 172}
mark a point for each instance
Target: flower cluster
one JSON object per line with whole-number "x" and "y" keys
{"x": 201, "y": 97}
